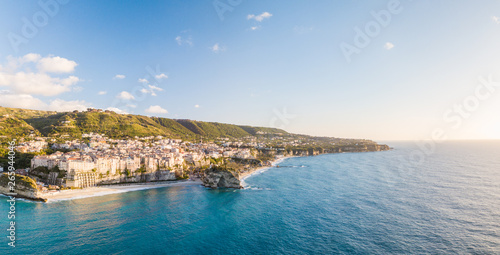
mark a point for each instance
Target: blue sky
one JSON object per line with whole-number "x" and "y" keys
{"x": 263, "y": 63}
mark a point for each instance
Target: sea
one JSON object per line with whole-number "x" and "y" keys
{"x": 414, "y": 199}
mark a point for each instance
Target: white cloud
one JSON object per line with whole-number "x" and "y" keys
{"x": 161, "y": 76}
{"x": 119, "y": 76}
{"x": 196, "y": 106}
{"x": 142, "y": 81}
{"x": 146, "y": 91}
{"x": 496, "y": 19}
{"x": 217, "y": 48}
{"x": 37, "y": 83}
{"x": 65, "y": 106}
{"x": 30, "y": 102}
{"x": 152, "y": 87}
{"x": 19, "y": 77}
{"x": 21, "y": 101}
{"x": 56, "y": 65}
{"x": 151, "y": 90}
{"x": 255, "y": 28}
{"x": 31, "y": 57}
{"x": 261, "y": 17}
{"x": 100, "y": 93}
{"x": 125, "y": 95}
{"x": 114, "y": 109}
{"x": 156, "y": 109}
{"x": 180, "y": 40}
{"x": 388, "y": 45}
{"x": 132, "y": 105}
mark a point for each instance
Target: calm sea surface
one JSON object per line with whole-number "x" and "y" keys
{"x": 445, "y": 202}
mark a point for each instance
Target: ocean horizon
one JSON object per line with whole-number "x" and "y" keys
{"x": 440, "y": 199}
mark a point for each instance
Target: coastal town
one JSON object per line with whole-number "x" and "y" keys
{"x": 96, "y": 159}
{"x": 105, "y": 161}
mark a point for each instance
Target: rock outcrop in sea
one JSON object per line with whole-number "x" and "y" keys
{"x": 218, "y": 177}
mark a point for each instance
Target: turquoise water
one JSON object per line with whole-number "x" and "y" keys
{"x": 352, "y": 203}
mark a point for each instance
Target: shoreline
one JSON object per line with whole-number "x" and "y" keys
{"x": 112, "y": 189}
{"x": 258, "y": 170}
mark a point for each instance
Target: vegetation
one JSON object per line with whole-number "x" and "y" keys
{"x": 20, "y": 180}
{"x": 16, "y": 123}
{"x": 21, "y": 160}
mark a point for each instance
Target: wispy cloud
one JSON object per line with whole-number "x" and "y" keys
{"x": 259, "y": 18}
{"x": 496, "y": 19}
{"x": 388, "y": 45}
{"x": 151, "y": 90}
{"x": 184, "y": 40}
{"x": 156, "y": 109}
{"x": 161, "y": 76}
{"x": 119, "y": 77}
{"x": 216, "y": 48}
{"x": 255, "y": 28}
{"x": 141, "y": 80}
{"x": 100, "y": 93}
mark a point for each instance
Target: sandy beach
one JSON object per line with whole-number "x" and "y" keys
{"x": 112, "y": 189}
{"x": 259, "y": 170}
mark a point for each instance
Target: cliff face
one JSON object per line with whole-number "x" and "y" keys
{"x": 145, "y": 177}
{"x": 25, "y": 187}
{"x": 216, "y": 177}
{"x": 353, "y": 148}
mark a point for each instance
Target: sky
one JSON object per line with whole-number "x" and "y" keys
{"x": 381, "y": 70}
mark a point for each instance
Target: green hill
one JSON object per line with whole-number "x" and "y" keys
{"x": 213, "y": 129}
{"x": 21, "y": 122}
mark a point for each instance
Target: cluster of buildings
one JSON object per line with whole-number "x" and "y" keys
{"x": 110, "y": 158}
{"x": 36, "y": 145}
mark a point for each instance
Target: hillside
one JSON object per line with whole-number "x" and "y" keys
{"x": 22, "y": 122}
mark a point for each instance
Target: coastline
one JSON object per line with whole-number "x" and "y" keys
{"x": 258, "y": 170}
{"x": 111, "y": 189}
{"x": 127, "y": 187}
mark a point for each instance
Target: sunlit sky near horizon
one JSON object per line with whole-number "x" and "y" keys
{"x": 382, "y": 70}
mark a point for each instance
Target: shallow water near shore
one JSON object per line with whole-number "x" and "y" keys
{"x": 350, "y": 203}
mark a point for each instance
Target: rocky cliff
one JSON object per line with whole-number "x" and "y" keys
{"x": 25, "y": 187}
{"x": 217, "y": 177}
{"x": 301, "y": 152}
{"x": 139, "y": 177}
